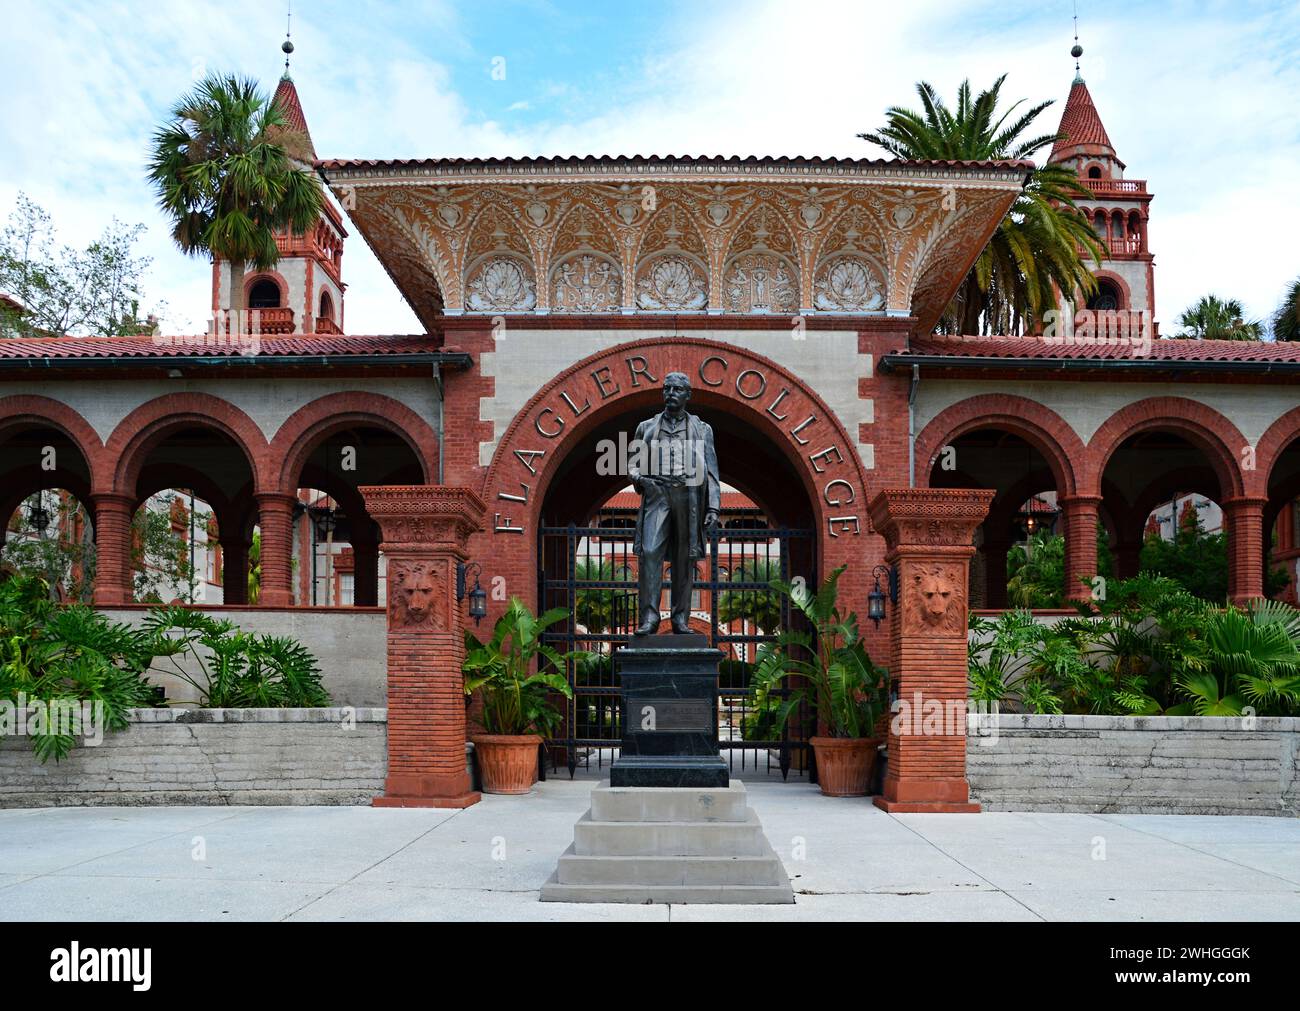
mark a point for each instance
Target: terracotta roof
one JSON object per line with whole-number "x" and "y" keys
{"x": 190, "y": 346}
{"x": 286, "y": 96}
{"x": 649, "y": 161}
{"x": 1039, "y": 350}
{"x": 1083, "y": 129}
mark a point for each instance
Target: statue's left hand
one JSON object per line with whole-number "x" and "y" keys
{"x": 710, "y": 520}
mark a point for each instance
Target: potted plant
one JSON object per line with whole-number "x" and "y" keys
{"x": 518, "y": 708}
{"x": 849, "y": 692}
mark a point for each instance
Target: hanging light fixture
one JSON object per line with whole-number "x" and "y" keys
{"x": 477, "y": 596}
{"x": 876, "y": 598}
{"x": 38, "y": 516}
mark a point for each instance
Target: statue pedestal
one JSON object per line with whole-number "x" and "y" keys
{"x": 670, "y": 714}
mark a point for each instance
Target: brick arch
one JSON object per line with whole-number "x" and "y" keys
{"x": 1201, "y": 425}
{"x": 33, "y": 410}
{"x": 141, "y": 430}
{"x": 1272, "y": 444}
{"x": 295, "y": 440}
{"x": 1038, "y": 425}
{"x": 1121, "y": 286}
{"x": 273, "y": 276}
{"x": 512, "y": 554}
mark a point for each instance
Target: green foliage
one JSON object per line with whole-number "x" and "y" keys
{"x": 66, "y": 656}
{"x": 850, "y": 692}
{"x": 1254, "y": 660}
{"x": 596, "y": 608}
{"x": 1035, "y": 251}
{"x": 516, "y": 701}
{"x": 96, "y": 291}
{"x": 1036, "y": 571}
{"x": 236, "y": 670}
{"x": 759, "y": 607}
{"x": 1286, "y": 321}
{"x": 159, "y": 554}
{"x": 1213, "y": 318}
{"x": 1015, "y": 661}
{"x": 65, "y": 562}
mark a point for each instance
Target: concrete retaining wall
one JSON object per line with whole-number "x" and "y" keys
{"x": 351, "y": 648}
{"x": 210, "y": 756}
{"x": 1138, "y": 765}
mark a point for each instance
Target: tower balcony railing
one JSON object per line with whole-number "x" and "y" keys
{"x": 1127, "y": 245}
{"x": 1116, "y": 187}
{"x": 326, "y": 325}
{"x": 264, "y": 321}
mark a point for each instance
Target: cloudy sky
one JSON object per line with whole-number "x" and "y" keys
{"x": 1200, "y": 99}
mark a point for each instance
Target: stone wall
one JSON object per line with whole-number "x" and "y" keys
{"x": 1137, "y": 765}
{"x": 209, "y": 756}
{"x": 350, "y": 648}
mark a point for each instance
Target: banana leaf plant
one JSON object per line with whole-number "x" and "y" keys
{"x": 1254, "y": 660}
{"x": 849, "y": 692}
{"x": 515, "y": 700}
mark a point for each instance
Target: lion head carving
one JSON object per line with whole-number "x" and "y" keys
{"x": 415, "y": 589}
{"x": 936, "y": 599}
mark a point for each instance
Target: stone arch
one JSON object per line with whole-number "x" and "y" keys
{"x": 1038, "y": 425}
{"x": 1201, "y": 425}
{"x": 141, "y": 430}
{"x": 274, "y": 277}
{"x": 1272, "y": 444}
{"x": 1121, "y": 287}
{"x": 298, "y": 436}
{"x": 23, "y": 410}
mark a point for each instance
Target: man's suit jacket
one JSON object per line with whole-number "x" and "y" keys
{"x": 705, "y": 496}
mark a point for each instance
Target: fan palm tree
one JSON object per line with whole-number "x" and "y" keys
{"x": 225, "y": 173}
{"x": 1286, "y": 321}
{"x": 1036, "y": 250}
{"x": 1212, "y": 318}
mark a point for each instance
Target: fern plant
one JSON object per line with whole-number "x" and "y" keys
{"x": 850, "y": 692}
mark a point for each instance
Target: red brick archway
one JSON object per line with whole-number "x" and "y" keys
{"x": 42, "y": 412}
{"x": 626, "y": 380}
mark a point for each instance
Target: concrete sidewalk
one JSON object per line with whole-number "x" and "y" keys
{"x": 846, "y": 859}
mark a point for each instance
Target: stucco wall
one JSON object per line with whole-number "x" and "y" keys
{"x": 350, "y": 646}
{"x": 211, "y": 756}
{"x": 1128, "y": 765}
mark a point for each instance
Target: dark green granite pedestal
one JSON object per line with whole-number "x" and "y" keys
{"x": 670, "y": 713}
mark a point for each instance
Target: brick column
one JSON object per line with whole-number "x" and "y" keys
{"x": 1244, "y": 518}
{"x": 113, "y": 514}
{"x": 928, "y": 534}
{"x": 1079, "y": 521}
{"x": 425, "y": 529}
{"x": 275, "y": 520}
{"x": 234, "y": 569}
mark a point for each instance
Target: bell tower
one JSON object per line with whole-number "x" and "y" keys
{"x": 1119, "y": 208}
{"x": 303, "y": 293}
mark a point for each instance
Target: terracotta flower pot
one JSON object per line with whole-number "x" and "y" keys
{"x": 845, "y": 764}
{"x": 507, "y": 762}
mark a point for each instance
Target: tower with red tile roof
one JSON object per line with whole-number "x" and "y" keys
{"x": 304, "y": 291}
{"x": 1119, "y": 207}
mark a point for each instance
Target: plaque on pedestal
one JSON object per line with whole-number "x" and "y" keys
{"x": 670, "y": 713}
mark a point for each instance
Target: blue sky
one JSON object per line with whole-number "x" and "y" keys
{"x": 1199, "y": 99}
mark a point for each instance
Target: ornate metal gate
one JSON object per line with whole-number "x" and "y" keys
{"x": 591, "y": 572}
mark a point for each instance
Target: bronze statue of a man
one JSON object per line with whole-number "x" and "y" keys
{"x": 680, "y": 498}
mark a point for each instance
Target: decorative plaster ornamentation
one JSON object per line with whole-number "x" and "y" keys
{"x": 848, "y": 284}
{"x": 671, "y": 282}
{"x": 418, "y": 593}
{"x": 586, "y": 282}
{"x": 761, "y": 282}
{"x": 500, "y": 284}
{"x": 936, "y": 599}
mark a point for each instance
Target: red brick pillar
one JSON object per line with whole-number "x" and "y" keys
{"x": 425, "y": 529}
{"x": 275, "y": 520}
{"x": 1079, "y": 521}
{"x": 1244, "y": 519}
{"x": 113, "y": 515}
{"x": 928, "y": 534}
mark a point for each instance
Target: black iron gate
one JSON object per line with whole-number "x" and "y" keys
{"x": 590, "y": 572}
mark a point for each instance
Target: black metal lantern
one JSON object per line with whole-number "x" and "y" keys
{"x": 477, "y": 596}
{"x": 876, "y": 598}
{"x": 39, "y": 517}
{"x": 326, "y": 520}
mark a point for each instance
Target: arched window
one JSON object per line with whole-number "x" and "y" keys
{"x": 326, "y": 305}
{"x": 1107, "y": 297}
{"x": 264, "y": 294}
{"x": 1094, "y": 172}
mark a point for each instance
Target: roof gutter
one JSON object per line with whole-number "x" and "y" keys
{"x": 450, "y": 359}
{"x": 902, "y": 362}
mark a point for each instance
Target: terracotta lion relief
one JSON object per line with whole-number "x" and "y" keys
{"x": 936, "y": 600}
{"x": 418, "y": 595}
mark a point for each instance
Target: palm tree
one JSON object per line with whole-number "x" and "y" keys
{"x": 224, "y": 170}
{"x": 1212, "y": 318}
{"x": 1036, "y": 250}
{"x": 1286, "y": 321}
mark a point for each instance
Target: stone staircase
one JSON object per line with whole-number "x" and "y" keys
{"x": 669, "y": 844}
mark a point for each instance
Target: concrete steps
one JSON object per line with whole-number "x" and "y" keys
{"x": 669, "y": 844}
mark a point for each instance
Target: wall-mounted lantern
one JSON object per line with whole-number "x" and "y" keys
{"x": 477, "y": 596}
{"x": 876, "y": 598}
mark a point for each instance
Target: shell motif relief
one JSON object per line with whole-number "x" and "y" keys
{"x": 671, "y": 282}
{"x": 848, "y": 285}
{"x": 498, "y": 285}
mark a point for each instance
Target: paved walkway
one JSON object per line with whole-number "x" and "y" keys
{"x": 847, "y": 860}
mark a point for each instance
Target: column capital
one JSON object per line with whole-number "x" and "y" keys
{"x": 924, "y": 519}
{"x": 116, "y": 500}
{"x": 421, "y": 517}
{"x": 1080, "y": 501}
{"x": 1244, "y": 503}
{"x": 281, "y": 500}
